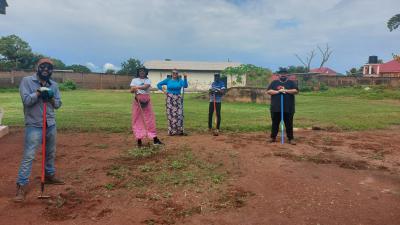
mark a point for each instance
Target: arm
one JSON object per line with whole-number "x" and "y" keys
{"x": 162, "y": 83}
{"x": 28, "y": 98}
{"x": 56, "y": 100}
{"x": 293, "y": 90}
{"x": 184, "y": 82}
{"x": 270, "y": 90}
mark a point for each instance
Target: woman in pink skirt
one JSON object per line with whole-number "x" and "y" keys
{"x": 143, "y": 120}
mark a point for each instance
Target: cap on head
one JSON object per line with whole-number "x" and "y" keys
{"x": 45, "y": 60}
{"x": 142, "y": 68}
{"x": 282, "y": 71}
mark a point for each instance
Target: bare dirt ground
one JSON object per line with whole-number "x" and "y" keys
{"x": 327, "y": 178}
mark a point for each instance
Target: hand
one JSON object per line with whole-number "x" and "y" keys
{"x": 283, "y": 90}
{"x": 45, "y": 93}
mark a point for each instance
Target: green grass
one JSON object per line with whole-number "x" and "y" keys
{"x": 107, "y": 110}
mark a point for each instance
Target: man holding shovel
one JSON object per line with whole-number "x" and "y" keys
{"x": 217, "y": 89}
{"x": 35, "y": 91}
{"x": 282, "y": 90}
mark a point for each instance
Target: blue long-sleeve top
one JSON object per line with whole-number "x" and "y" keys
{"x": 33, "y": 105}
{"x": 173, "y": 86}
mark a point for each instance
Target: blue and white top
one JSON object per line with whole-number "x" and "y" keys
{"x": 215, "y": 87}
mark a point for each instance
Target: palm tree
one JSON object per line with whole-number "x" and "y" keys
{"x": 394, "y": 22}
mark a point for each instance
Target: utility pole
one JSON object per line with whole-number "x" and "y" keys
{"x": 3, "y": 5}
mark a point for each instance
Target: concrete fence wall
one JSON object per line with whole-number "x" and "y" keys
{"x": 83, "y": 80}
{"x": 348, "y": 81}
{"x": 107, "y": 81}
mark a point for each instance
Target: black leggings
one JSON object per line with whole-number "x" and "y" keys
{"x": 211, "y": 112}
{"x": 276, "y": 120}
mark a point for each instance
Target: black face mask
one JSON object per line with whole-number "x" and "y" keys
{"x": 283, "y": 78}
{"x": 42, "y": 68}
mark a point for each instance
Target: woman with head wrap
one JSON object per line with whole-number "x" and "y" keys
{"x": 143, "y": 120}
{"x": 174, "y": 102}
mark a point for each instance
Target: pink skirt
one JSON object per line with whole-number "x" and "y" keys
{"x": 143, "y": 119}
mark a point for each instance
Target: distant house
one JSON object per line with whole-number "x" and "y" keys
{"x": 3, "y": 5}
{"x": 324, "y": 71}
{"x": 200, "y": 74}
{"x": 375, "y": 69}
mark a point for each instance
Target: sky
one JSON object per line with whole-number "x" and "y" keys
{"x": 102, "y": 34}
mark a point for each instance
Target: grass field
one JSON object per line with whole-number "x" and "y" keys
{"x": 107, "y": 110}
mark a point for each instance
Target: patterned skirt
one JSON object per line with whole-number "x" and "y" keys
{"x": 174, "y": 114}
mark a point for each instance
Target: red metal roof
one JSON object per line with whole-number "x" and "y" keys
{"x": 390, "y": 67}
{"x": 324, "y": 70}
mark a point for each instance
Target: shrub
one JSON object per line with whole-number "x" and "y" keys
{"x": 67, "y": 85}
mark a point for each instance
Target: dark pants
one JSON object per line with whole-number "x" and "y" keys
{"x": 211, "y": 112}
{"x": 276, "y": 119}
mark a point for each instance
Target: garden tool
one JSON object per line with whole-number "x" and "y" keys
{"x": 143, "y": 119}
{"x": 42, "y": 178}
{"x": 282, "y": 121}
{"x": 215, "y": 133}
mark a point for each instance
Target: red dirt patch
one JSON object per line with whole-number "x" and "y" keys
{"x": 328, "y": 178}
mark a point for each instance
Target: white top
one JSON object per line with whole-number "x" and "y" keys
{"x": 136, "y": 82}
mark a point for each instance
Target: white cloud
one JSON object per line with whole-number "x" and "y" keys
{"x": 92, "y": 66}
{"x": 109, "y": 66}
{"x": 102, "y": 31}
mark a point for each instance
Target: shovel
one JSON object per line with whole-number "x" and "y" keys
{"x": 42, "y": 196}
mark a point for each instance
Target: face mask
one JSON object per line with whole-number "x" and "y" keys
{"x": 283, "y": 78}
{"x": 43, "y": 68}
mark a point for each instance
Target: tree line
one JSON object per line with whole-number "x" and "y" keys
{"x": 16, "y": 54}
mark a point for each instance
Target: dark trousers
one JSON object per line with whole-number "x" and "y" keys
{"x": 288, "y": 120}
{"x": 211, "y": 112}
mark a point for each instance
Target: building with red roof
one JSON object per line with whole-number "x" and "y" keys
{"x": 389, "y": 69}
{"x": 324, "y": 71}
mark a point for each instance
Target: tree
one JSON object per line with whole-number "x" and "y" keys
{"x": 297, "y": 69}
{"x": 79, "y": 68}
{"x": 255, "y": 74}
{"x": 326, "y": 53}
{"x": 14, "y": 49}
{"x": 130, "y": 66}
{"x": 355, "y": 72}
{"x": 394, "y": 22}
{"x": 110, "y": 71}
{"x": 308, "y": 59}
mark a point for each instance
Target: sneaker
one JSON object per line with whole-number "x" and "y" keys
{"x": 51, "y": 179}
{"x": 292, "y": 142}
{"x": 139, "y": 143}
{"x": 272, "y": 140}
{"x": 183, "y": 134}
{"x": 21, "y": 193}
{"x": 216, "y": 132}
{"x": 157, "y": 141}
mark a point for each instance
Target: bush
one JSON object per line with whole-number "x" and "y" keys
{"x": 323, "y": 87}
{"x": 67, "y": 85}
{"x": 305, "y": 88}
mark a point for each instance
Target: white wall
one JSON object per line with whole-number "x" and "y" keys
{"x": 198, "y": 81}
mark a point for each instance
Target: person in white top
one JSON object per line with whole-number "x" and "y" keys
{"x": 143, "y": 119}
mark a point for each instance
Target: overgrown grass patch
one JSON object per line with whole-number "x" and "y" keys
{"x": 108, "y": 110}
